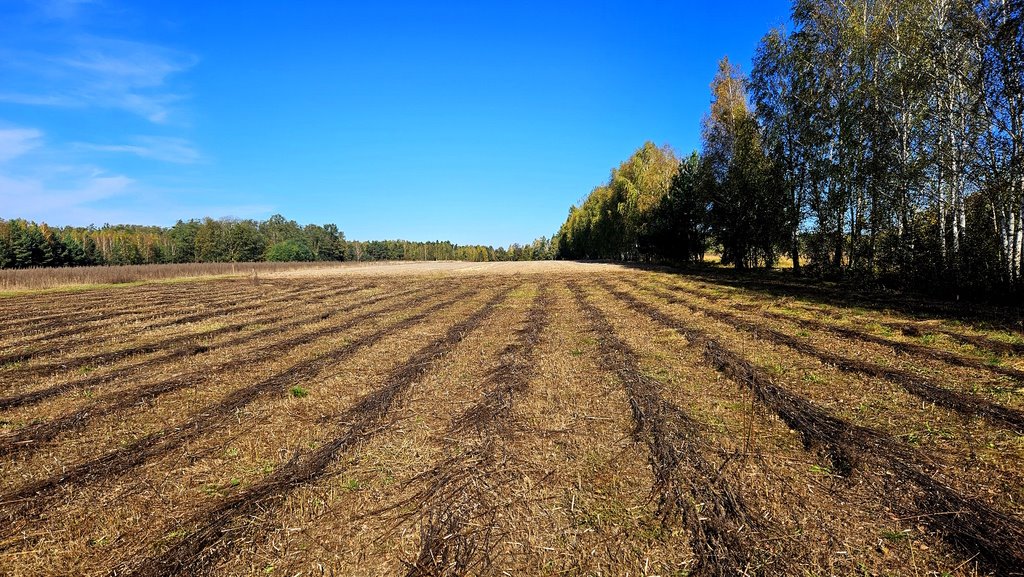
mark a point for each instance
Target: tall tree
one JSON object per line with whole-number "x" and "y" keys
{"x": 678, "y": 227}
{"x": 777, "y": 92}
{"x": 1003, "y": 74}
{"x": 748, "y": 205}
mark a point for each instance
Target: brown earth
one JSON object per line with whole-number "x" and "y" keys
{"x": 504, "y": 419}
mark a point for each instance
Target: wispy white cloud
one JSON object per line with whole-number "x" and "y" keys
{"x": 32, "y": 186}
{"x": 86, "y": 194}
{"x": 66, "y": 9}
{"x": 63, "y": 9}
{"x": 66, "y": 184}
{"x": 97, "y": 72}
{"x": 162, "y": 148}
{"x": 49, "y": 184}
{"x": 60, "y": 196}
{"x": 17, "y": 141}
{"x": 62, "y": 171}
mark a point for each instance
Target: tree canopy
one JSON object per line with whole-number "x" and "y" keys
{"x": 873, "y": 139}
{"x": 26, "y": 244}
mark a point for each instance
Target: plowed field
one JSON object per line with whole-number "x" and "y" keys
{"x": 506, "y": 419}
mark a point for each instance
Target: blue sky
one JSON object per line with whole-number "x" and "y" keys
{"x": 476, "y": 122}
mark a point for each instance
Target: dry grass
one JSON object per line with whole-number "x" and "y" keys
{"x": 85, "y": 277}
{"x": 19, "y": 282}
{"x": 501, "y": 418}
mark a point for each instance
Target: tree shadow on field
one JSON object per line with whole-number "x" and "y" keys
{"x": 782, "y": 283}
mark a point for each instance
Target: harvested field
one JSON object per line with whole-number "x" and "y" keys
{"x": 506, "y": 419}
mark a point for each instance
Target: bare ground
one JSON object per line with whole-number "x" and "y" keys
{"x": 543, "y": 418}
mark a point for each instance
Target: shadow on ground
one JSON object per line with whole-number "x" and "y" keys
{"x": 781, "y": 283}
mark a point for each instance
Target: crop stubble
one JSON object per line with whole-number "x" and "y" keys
{"x": 581, "y": 441}
{"x": 206, "y": 532}
{"x": 995, "y": 538}
{"x": 208, "y": 420}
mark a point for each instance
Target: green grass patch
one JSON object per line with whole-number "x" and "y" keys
{"x": 86, "y": 369}
{"x": 821, "y": 470}
{"x": 895, "y": 536}
{"x": 298, "y": 392}
{"x": 177, "y": 534}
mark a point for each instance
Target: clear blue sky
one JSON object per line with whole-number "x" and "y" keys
{"x": 477, "y": 122}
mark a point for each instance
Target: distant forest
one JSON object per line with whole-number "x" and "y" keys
{"x": 25, "y": 244}
{"x": 875, "y": 140}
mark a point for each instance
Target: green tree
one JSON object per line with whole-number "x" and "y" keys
{"x": 777, "y": 91}
{"x": 182, "y": 238}
{"x": 746, "y": 198}
{"x": 211, "y": 242}
{"x": 678, "y": 227}
{"x": 243, "y": 242}
{"x": 290, "y": 251}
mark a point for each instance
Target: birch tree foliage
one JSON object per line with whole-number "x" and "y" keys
{"x": 883, "y": 140}
{"x": 746, "y": 201}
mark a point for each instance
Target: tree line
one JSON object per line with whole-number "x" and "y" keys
{"x": 25, "y": 244}
{"x": 873, "y": 139}
{"x": 539, "y": 249}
